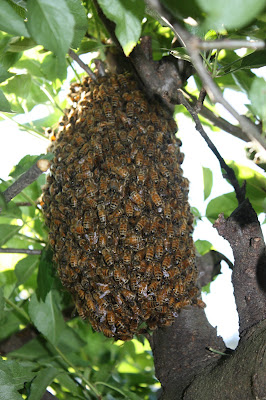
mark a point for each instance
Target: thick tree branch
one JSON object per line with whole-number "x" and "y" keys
{"x": 180, "y": 351}
{"x": 230, "y": 175}
{"x": 243, "y": 232}
{"x": 84, "y": 66}
{"x": 26, "y": 179}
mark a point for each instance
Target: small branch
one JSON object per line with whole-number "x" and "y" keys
{"x": 240, "y": 192}
{"x": 22, "y": 251}
{"x": 84, "y": 66}
{"x": 200, "y": 101}
{"x": 230, "y": 44}
{"x": 26, "y": 179}
{"x": 23, "y": 204}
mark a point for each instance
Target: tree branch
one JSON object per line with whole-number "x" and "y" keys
{"x": 84, "y": 66}
{"x": 191, "y": 42}
{"x": 229, "y": 44}
{"x": 243, "y": 232}
{"x": 230, "y": 175}
{"x": 23, "y": 251}
{"x": 26, "y": 179}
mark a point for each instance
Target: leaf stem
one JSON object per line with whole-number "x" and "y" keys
{"x": 18, "y": 309}
{"x": 111, "y": 387}
{"x": 67, "y": 361}
{"x": 32, "y": 131}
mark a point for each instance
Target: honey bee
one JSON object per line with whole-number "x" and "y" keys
{"x": 139, "y": 158}
{"x": 156, "y": 198}
{"x": 130, "y": 109}
{"x": 123, "y": 228}
{"x": 157, "y": 271}
{"x": 164, "y": 171}
{"x": 90, "y": 304}
{"x": 107, "y": 332}
{"x": 127, "y": 258}
{"x": 133, "y": 282}
{"x": 136, "y": 198}
{"x": 128, "y": 295}
{"x": 132, "y": 135}
{"x": 170, "y": 230}
{"x": 107, "y": 257}
{"x": 142, "y": 289}
{"x": 74, "y": 260}
{"x": 91, "y": 189}
{"x": 159, "y": 248}
{"x": 113, "y": 136}
{"x": 114, "y": 202}
{"x": 101, "y": 213}
{"x": 103, "y": 186}
{"x": 110, "y": 316}
{"x": 133, "y": 240}
{"x": 102, "y": 239}
{"x": 142, "y": 222}
{"x": 154, "y": 176}
{"x": 150, "y": 253}
{"x": 120, "y": 275}
{"x": 179, "y": 288}
{"x": 115, "y": 101}
{"x": 167, "y": 211}
{"x": 122, "y": 172}
{"x": 141, "y": 176}
{"x": 167, "y": 260}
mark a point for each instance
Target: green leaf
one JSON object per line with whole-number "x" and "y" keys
{"x": 45, "y": 277}
{"x": 207, "y": 181}
{"x": 226, "y": 204}
{"x": 7, "y": 232}
{"x": 70, "y": 341}
{"x": 41, "y": 381}
{"x": 52, "y": 69}
{"x": 4, "y": 74}
{"x": 68, "y": 383}
{"x": 127, "y": 14}
{"x": 4, "y": 104}
{"x": 13, "y": 376}
{"x": 11, "y": 210}
{"x": 203, "y": 246}
{"x": 254, "y": 60}
{"x": 257, "y": 96}
{"x": 51, "y": 24}
{"x": 225, "y": 14}
{"x": 25, "y": 268}
{"x": 47, "y": 317}
{"x": 10, "y": 21}
{"x": 81, "y": 21}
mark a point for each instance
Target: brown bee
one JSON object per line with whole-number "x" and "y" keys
{"x": 107, "y": 257}
{"x": 139, "y": 158}
{"x": 110, "y": 316}
{"x": 164, "y": 171}
{"x": 150, "y": 253}
{"x": 141, "y": 177}
{"x": 107, "y": 332}
{"x": 115, "y": 101}
{"x": 157, "y": 271}
{"x": 132, "y": 135}
{"x": 101, "y": 213}
{"x": 156, "y": 198}
{"x": 167, "y": 211}
{"x": 122, "y": 172}
{"x": 142, "y": 222}
{"x": 91, "y": 189}
{"x": 74, "y": 260}
{"x": 170, "y": 230}
{"x": 128, "y": 295}
{"x": 142, "y": 289}
{"x": 123, "y": 228}
{"x": 136, "y": 198}
{"x": 90, "y": 303}
{"x": 127, "y": 258}
{"x": 159, "y": 248}
{"x": 133, "y": 240}
{"x": 130, "y": 109}
{"x": 114, "y": 202}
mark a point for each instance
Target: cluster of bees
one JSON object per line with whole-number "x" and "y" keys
{"x": 116, "y": 203}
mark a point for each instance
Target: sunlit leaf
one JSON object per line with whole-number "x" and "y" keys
{"x": 25, "y": 268}
{"x": 81, "y": 21}
{"x": 127, "y": 14}
{"x": 51, "y": 24}
{"x": 52, "y": 69}
{"x": 7, "y": 231}
{"x": 207, "y": 181}
{"x": 47, "y": 317}
{"x": 257, "y": 95}
{"x": 225, "y": 204}
{"x": 203, "y": 246}
{"x": 10, "y": 21}
{"x": 4, "y": 104}
{"x": 225, "y": 14}
{"x": 24, "y": 164}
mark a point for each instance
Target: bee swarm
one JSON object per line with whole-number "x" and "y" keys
{"x": 116, "y": 205}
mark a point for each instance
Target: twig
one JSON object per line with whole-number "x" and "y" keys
{"x": 84, "y": 66}
{"x": 26, "y": 179}
{"x": 23, "y": 251}
{"x": 23, "y": 204}
{"x": 230, "y": 44}
{"x": 230, "y": 175}
{"x": 199, "y": 102}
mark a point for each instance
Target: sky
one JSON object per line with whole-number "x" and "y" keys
{"x": 220, "y": 310}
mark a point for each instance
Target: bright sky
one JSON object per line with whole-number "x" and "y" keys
{"x": 220, "y": 308}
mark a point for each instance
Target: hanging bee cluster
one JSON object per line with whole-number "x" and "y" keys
{"x": 116, "y": 203}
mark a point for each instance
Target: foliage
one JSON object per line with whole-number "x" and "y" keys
{"x": 35, "y": 36}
